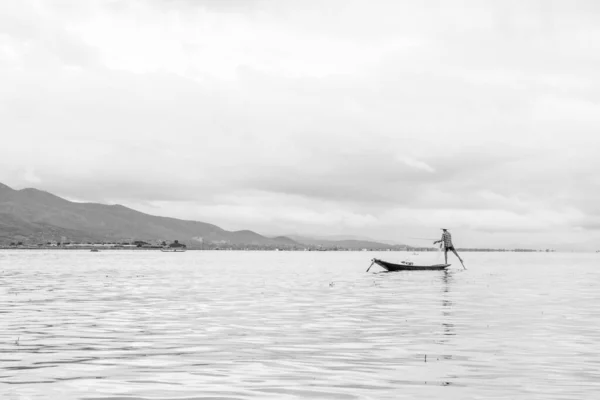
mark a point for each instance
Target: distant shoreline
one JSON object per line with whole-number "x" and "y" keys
{"x": 89, "y": 248}
{"x": 76, "y": 248}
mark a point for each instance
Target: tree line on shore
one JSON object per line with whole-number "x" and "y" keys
{"x": 140, "y": 244}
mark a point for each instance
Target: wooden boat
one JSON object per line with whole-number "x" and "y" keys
{"x": 173, "y": 249}
{"x": 406, "y": 266}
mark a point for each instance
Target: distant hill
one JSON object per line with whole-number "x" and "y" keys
{"x": 349, "y": 239}
{"x": 353, "y": 244}
{"x": 35, "y": 215}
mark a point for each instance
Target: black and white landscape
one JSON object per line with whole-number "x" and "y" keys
{"x": 299, "y": 199}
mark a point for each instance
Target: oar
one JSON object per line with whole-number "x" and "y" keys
{"x": 371, "y": 265}
{"x": 461, "y": 263}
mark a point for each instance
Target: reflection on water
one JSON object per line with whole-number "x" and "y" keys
{"x": 236, "y": 325}
{"x": 447, "y": 325}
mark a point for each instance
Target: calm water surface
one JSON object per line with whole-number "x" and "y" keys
{"x": 295, "y": 325}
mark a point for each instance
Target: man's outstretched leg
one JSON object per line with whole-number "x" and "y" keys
{"x": 459, "y": 259}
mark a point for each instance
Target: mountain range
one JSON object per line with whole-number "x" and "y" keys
{"x": 32, "y": 215}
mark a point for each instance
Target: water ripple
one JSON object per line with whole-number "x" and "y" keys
{"x": 266, "y": 325}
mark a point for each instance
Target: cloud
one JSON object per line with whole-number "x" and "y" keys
{"x": 31, "y": 177}
{"x": 340, "y": 119}
{"x": 416, "y": 164}
{"x": 32, "y": 34}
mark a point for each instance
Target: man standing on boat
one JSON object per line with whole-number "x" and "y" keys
{"x": 447, "y": 241}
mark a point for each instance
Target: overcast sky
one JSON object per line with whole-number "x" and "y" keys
{"x": 383, "y": 119}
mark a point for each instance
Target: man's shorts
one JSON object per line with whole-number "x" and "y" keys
{"x": 450, "y": 248}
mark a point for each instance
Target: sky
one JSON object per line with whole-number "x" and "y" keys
{"x": 380, "y": 119}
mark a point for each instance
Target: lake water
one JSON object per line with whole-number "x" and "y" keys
{"x": 297, "y": 325}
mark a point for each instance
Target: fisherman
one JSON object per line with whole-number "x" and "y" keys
{"x": 447, "y": 241}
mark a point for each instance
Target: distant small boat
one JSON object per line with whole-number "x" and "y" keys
{"x": 173, "y": 249}
{"x": 94, "y": 250}
{"x": 406, "y": 266}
